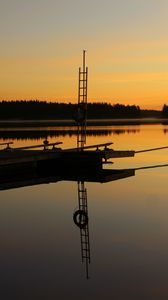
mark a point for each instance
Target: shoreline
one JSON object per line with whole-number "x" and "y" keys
{"x": 90, "y": 122}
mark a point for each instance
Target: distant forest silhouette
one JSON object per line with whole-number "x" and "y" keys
{"x": 41, "y": 110}
{"x": 165, "y": 111}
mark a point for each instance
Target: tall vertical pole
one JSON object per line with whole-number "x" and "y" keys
{"x": 82, "y": 104}
{"x": 84, "y": 52}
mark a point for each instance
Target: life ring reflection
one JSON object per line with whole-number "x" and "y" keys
{"x": 80, "y": 218}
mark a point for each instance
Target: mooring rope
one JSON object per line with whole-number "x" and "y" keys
{"x": 151, "y": 167}
{"x": 153, "y": 149}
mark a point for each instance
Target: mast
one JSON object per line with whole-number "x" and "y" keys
{"x": 81, "y": 117}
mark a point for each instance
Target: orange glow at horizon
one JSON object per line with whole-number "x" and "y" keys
{"x": 132, "y": 76}
{"x": 40, "y": 80}
{"x": 128, "y": 79}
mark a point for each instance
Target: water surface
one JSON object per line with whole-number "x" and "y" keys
{"x": 40, "y": 249}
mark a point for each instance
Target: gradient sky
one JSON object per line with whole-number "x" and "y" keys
{"x": 126, "y": 41}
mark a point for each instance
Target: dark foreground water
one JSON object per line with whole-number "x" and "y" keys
{"x": 40, "y": 252}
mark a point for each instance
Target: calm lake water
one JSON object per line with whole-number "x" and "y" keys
{"x": 40, "y": 253}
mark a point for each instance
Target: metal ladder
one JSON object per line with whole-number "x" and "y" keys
{"x": 82, "y": 104}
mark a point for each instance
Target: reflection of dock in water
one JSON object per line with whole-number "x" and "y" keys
{"x": 22, "y": 178}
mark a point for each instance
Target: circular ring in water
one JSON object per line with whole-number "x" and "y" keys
{"x": 80, "y": 218}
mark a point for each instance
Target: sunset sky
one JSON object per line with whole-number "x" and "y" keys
{"x": 41, "y": 43}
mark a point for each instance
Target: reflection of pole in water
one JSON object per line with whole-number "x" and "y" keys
{"x": 81, "y": 220}
{"x": 84, "y": 230}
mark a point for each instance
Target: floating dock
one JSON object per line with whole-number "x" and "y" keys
{"x": 51, "y": 157}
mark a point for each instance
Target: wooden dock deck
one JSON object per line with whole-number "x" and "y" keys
{"x": 48, "y": 156}
{"x": 10, "y": 155}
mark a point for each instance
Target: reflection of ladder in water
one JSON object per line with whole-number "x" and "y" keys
{"x": 82, "y": 104}
{"x": 84, "y": 230}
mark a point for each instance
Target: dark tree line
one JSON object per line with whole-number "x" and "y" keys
{"x": 105, "y": 110}
{"x": 36, "y": 110}
{"x": 165, "y": 111}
